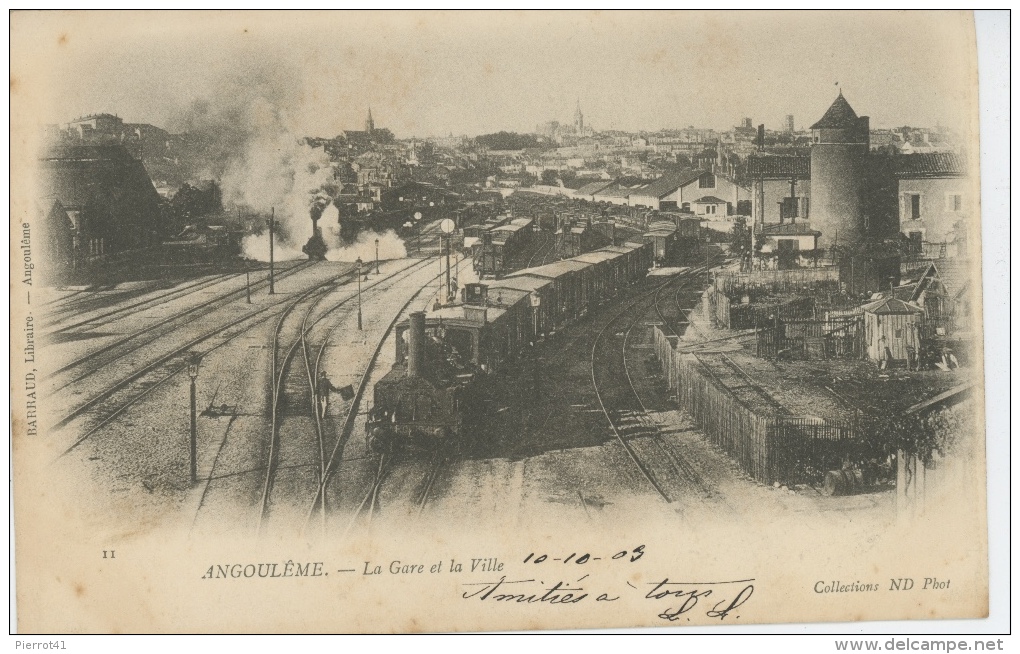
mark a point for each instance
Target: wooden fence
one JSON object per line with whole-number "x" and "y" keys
{"x": 767, "y": 446}
{"x": 840, "y": 338}
{"x": 777, "y": 281}
{"x": 727, "y": 315}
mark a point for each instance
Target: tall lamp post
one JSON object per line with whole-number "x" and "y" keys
{"x": 447, "y": 226}
{"x": 193, "y": 363}
{"x": 536, "y": 302}
{"x": 358, "y": 262}
{"x": 417, "y": 227}
{"x": 377, "y": 256}
{"x": 272, "y": 230}
{"x": 536, "y": 367}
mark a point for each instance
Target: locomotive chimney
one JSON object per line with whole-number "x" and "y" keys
{"x": 416, "y": 344}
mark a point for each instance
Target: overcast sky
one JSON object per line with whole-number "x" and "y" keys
{"x": 434, "y": 73}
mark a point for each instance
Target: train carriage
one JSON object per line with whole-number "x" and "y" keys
{"x": 498, "y": 244}
{"x": 662, "y": 236}
{"x": 609, "y": 272}
{"x": 572, "y": 281}
{"x": 433, "y": 397}
{"x": 542, "y": 298}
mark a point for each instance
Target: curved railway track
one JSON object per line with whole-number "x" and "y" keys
{"x": 336, "y": 455}
{"x": 665, "y": 469}
{"x": 296, "y": 388}
{"x": 681, "y": 467}
{"x": 544, "y": 251}
{"x": 281, "y": 371}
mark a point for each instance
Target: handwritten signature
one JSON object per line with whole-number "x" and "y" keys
{"x": 718, "y": 601}
{"x": 690, "y": 594}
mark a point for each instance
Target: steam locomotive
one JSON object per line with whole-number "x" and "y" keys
{"x": 433, "y": 397}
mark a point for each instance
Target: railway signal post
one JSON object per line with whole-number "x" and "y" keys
{"x": 377, "y": 256}
{"x": 193, "y": 363}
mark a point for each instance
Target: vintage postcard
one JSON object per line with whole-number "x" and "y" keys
{"x": 436, "y": 321}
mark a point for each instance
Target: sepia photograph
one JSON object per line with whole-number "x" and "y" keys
{"x": 495, "y": 321}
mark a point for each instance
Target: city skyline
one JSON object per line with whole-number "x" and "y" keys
{"x": 434, "y": 74}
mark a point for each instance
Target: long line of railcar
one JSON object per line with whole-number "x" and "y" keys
{"x": 431, "y": 396}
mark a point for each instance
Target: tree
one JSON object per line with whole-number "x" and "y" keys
{"x": 550, "y": 177}
{"x": 507, "y": 141}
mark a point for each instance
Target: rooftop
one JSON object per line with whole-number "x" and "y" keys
{"x": 667, "y": 184}
{"x": 930, "y": 165}
{"x": 779, "y": 166}
{"x": 839, "y": 116}
{"x": 551, "y": 270}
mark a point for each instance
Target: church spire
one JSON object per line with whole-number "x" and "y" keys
{"x": 369, "y": 123}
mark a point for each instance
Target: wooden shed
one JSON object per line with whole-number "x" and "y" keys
{"x": 893, "y": 325}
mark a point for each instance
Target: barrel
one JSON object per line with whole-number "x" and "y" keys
{"x": 843, "y": 482}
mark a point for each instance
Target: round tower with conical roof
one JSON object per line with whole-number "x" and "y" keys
{"x": 838, "y": 175}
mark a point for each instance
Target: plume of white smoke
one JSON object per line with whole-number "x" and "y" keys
{"x": 391, "y": 246}
{"x": 243, "y": 137}
{"x": 256, "y": 247}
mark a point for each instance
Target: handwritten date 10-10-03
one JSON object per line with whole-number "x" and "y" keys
{"x": 633, "y": 555}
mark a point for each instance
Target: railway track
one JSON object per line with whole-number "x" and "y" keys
{"x": 293, "y": 396}
{"x": 173, "y": 293}
{"x": 90, "y": 300}
{"x": 89, "y": 364}
{"x": 371, "y": 498}
{"x": 542, "y": 254}
{"x": 60, "y": 302}
{"x": 669, "y": 321}
{"x": 435, "y": 467}
{"x": 681, "y": 468}
{"x": 745, "y": 389}
{"x": 172, "y": 359}
{"x": 139, "y": 384}
{"x": 291, "y": 390}
{"x": 385, "y": 462}
{"x": 665, "y": 469}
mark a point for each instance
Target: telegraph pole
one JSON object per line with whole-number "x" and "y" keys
{"x": 272, "y": 230}
{"x": 359, "y": 292}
